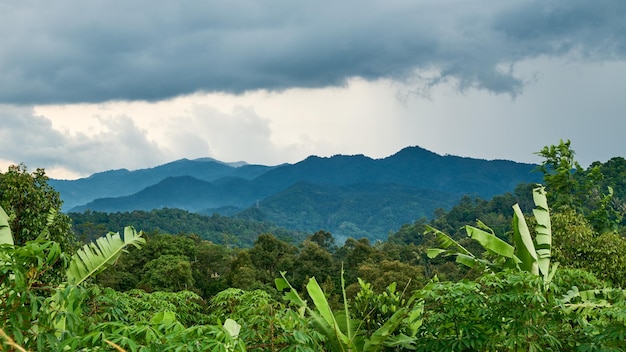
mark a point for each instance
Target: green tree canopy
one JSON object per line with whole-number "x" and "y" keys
{"x": 169, "y": 273}
{"x": 586, "y": 191}
{"x": 28, "y": 200}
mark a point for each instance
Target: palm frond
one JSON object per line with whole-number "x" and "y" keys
{"x": 95, "y": 257}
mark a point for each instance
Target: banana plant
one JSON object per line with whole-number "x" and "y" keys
{"x": 6, "y": 237}
{"x": 85, "y": 263}
{"x": 95, "y": 257}
{"x": 527, "y": 253}
{"x": 344, "y": 333}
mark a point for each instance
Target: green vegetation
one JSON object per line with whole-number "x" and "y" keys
{"x": 363, "y": 210}
{"x": 214, "y": 228}
{"x": 483, "y": 276}
{"x": 30, "y": 202}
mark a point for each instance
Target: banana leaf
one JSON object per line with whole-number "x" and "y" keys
{"x": 524, "y": 246}
{"x": 543, "y": 231}
{"x": 88, "y": 261}
{"x": 95, "y": 257}
{"x": 490, "y": 242}
{"x": 324, "y": 311}
{"x": 446, "y": 242}
{"x": 6, "y": 237}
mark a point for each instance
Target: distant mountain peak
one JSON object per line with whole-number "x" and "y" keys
{"x": 413, "y": 154}
{"x": 232, "y": 164}
{"x": 336, "y": 157}
{"x": 416, "y": 150}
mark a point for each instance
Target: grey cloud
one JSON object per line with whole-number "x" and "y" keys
{"x": 32, "y": 140}
{"x": 592, "y": 28}
{"x": 142, "y": 50}
{"x": 28, "y": 137}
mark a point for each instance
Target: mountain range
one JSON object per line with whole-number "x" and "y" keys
{"x": 354, "y": 195}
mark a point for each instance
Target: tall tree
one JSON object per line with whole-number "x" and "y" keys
{"x": 570, "y": 186}
{"x": 561, "y": 172}
{"x": 271, "y": 256}
{"x": 28, "y": 200}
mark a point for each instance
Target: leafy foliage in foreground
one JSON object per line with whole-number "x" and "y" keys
{"x": 507, "y": 311}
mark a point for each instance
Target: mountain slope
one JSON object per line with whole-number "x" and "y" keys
{"x": 182, "y": 192}
{"x": 356, "y": 210}
{"x": 412, "y": 166}
{"x": 350, "y": 195}
{"x": 116, "y": 183}
{"x": 215, "y": 228}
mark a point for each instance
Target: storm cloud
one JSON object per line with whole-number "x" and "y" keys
{"x": 96, "y": 51}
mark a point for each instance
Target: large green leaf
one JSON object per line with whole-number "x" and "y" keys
{"x": 434, "y": 252}
{"x": 490, "y": 242}
{"x": 323, "y": 308}
{"x": 449, "y": 245}
{"x": 543, "y": 238}
{"x": 291, "y": 295}
{"x": 232, "y": 328}
{"x": 95, "y": 257}
{"x": 88, "y": 261}
{"x": 346, "y": 306}
{"x": 5, "y": 231}
{"x": 377, "y": 341}
{"x": 524, "y": 246}
{"x": 468, "y": 260}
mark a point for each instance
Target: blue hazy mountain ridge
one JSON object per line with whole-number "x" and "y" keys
{"x": 412, "y": 166}
{"x": 219, "y": 184}
{"x": 119, "y": 183}
{"x": 181, "y": 192}
{"x": 350, "y": 196}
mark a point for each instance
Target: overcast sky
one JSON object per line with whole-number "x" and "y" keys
{"x": 88, "y": 86}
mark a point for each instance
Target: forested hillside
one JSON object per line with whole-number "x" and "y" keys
{"x": 540, "y": 268}
{"x": 369, "y": 210}
{"x": 351, "y": 196}
{"x": 215, "y": 228}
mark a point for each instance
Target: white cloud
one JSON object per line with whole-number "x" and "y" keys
{"x": 31, "y": 138}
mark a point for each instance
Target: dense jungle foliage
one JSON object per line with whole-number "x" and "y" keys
{"x": 228, "y": 231}
{"x": 482, "y": 276}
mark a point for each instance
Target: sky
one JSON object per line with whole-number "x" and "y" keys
{"x": 89, "y": 86}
